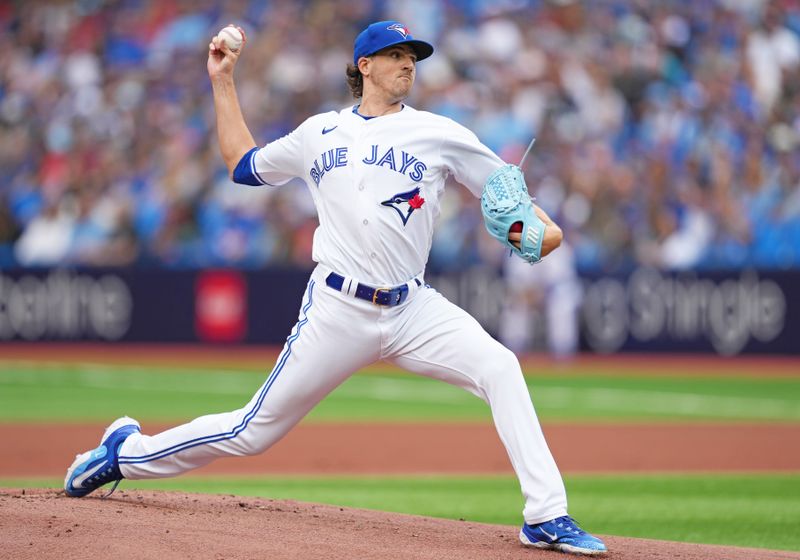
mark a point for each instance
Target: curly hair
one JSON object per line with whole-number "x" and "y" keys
{"x": 355, "y": 80}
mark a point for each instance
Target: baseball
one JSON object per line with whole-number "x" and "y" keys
{"x": 231, "y": 37}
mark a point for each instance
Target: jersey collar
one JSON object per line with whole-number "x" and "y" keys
{"x": 365, "y": 117}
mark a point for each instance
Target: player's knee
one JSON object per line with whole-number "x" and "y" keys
{"x": 251, "y": 442}
{"x": 505, "y": 365}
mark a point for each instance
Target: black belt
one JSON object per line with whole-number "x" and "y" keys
{"x": 379, "y": 296}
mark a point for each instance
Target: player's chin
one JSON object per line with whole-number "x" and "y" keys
{"x": 403, "y": 87}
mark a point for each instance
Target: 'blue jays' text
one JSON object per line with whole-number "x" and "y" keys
{"x": 404, "y": 163}
{"x": 335, "y": 157}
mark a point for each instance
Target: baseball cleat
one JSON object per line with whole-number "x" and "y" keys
{"x": 561, "y": 533}
{"x": 97, "y": 467}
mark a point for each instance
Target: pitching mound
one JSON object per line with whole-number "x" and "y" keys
{"x": 44, "y": 524}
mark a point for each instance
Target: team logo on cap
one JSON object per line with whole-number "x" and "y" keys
{"x": 400, "y": 28}
{"x": 405, "y": 203}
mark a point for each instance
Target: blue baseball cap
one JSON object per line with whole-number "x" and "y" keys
{"x": 382, "y": 34}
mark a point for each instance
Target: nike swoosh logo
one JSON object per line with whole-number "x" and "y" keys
{"x": 78, "y": 482}
{"x": 553, "y": 537}
{"x": 327, "y": 130}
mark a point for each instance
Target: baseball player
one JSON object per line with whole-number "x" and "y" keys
{"x": 376, "y": 172}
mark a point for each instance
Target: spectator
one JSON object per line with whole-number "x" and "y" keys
{"x": 667, "y": 133}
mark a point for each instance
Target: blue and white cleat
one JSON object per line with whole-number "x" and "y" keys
{"x": 97, "y": 467}
{"x": 561, "y": 533}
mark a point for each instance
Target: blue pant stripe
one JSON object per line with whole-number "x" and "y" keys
{"x": 249, "y": 416}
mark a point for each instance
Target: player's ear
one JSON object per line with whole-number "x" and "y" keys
{"x": 363, "y": 65}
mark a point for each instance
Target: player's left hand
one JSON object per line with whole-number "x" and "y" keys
{"x": 552, "y": 234}
{"x": 510, "y": 215}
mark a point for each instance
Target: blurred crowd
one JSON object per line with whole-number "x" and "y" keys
{"x": 668, "y": 132}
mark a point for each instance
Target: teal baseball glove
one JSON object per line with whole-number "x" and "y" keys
{"x": 505, "y": 202}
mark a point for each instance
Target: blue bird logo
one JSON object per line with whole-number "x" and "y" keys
{"x": 400, "y": 28}
{"x": 405, "y": 203}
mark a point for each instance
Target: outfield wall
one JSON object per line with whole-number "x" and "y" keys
{"x": 648, "y": 311}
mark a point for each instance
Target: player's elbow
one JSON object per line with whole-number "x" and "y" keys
{"x": 552, "y": 239}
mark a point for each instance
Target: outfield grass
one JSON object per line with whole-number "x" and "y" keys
{"x": 741, "y": 510}
{"x": 31, "y": 391}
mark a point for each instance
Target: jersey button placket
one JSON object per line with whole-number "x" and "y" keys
{"x": 364, "y": 196}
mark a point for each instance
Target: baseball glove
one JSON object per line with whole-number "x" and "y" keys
{"x": 505, "y": 201}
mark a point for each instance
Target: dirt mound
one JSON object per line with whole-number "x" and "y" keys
{"x": 45, "y": 524}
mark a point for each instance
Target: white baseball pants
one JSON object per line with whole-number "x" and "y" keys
{"x": 337, "y": 335}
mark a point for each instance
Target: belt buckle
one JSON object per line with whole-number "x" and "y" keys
{"x": 375, "y": 296}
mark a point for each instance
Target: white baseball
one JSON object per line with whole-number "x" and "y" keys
{"x": 231, "y": 37}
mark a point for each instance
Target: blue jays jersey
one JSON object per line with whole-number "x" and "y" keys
{"x": 376, "y": 183}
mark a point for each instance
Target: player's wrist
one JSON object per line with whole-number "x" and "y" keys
{"x": 222, "y": 82}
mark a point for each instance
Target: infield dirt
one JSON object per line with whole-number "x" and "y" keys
{"x": 374, "y": 448}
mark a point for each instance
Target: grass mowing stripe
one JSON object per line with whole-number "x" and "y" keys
{"x": 759, "y": 510}
{"x": 409, "y": 390}
{"x": 671, "y": 402}
{"x": 136, "y": 378}
{"x": 74, "y": 391}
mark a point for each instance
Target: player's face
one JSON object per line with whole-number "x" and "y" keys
{"x": 392, "y": 71}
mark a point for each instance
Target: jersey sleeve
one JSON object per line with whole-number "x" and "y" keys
{"x": 281, "y": 160}
{"x": 467, "y": 158}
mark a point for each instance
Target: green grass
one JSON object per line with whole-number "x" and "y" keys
{"x": 43, "y": 392}
{"x": 739, "y": 510}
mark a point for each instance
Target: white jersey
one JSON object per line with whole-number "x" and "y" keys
{"x": 377, "y": 184}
